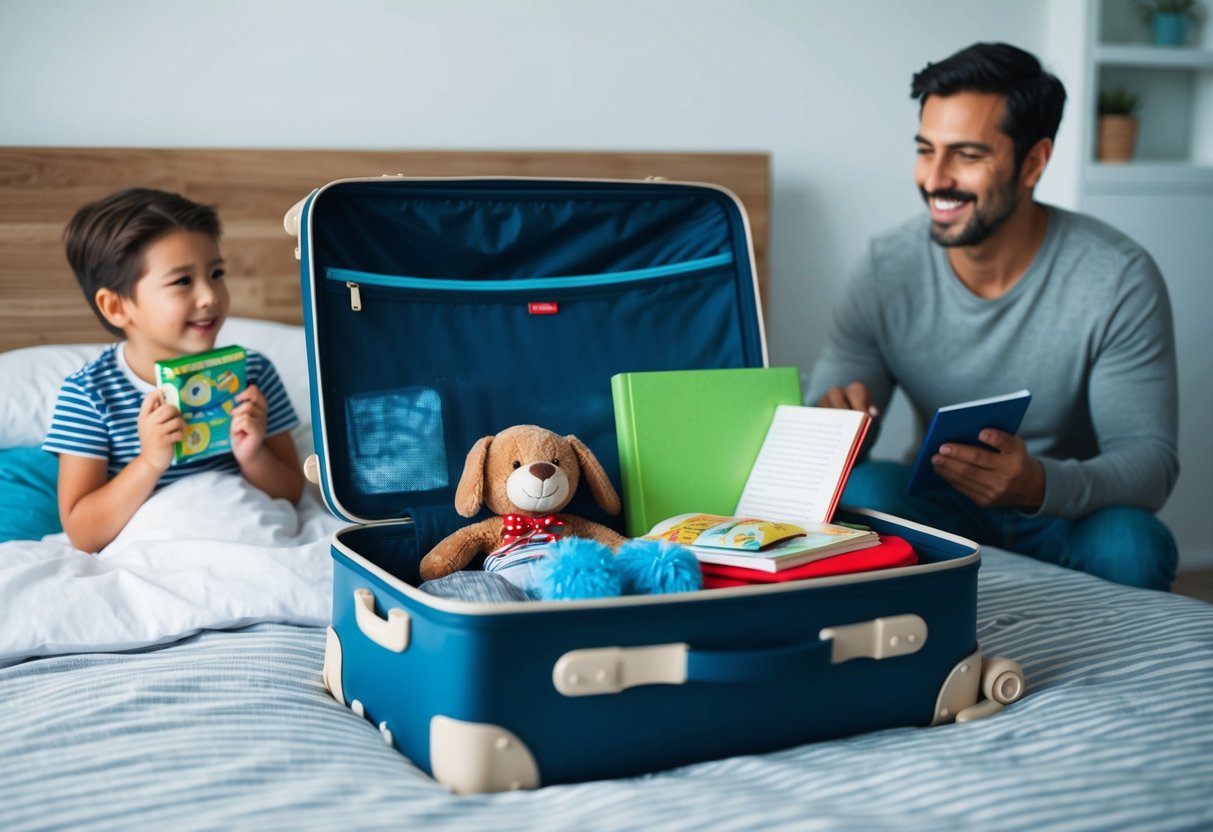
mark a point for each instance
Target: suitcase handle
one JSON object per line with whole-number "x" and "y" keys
{"x": 735, "y": 666}
{"x": 391, "y": 633}
{"x": 880, "y": 638}
{"x": 600, "y": 670}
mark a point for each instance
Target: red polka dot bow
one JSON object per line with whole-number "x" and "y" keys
{"x": 519, "y": 527}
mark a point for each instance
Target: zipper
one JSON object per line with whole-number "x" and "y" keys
{"x": 523, "y": 284}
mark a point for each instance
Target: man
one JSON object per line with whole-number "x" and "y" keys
{"x": 993, "y": 292}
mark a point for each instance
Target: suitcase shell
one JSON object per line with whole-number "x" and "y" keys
{"x": 439, "y": 311}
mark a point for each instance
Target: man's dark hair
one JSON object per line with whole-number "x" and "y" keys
{"x": 106, "y": 239}
{"x": 1034, "y": 98}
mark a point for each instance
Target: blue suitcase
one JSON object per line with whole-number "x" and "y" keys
{"x": 439, "y": 311}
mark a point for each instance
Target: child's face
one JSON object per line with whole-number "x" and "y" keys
{"x": 180, "y": 300}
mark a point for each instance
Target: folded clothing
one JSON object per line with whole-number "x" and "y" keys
{"x": 890, "y": 552}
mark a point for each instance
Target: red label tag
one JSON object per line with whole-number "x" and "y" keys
{"x": 543, "y": 307}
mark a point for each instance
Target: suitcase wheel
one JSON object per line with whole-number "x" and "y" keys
{"x": 1002, "y": 680}
{"x": 999, "y": 679}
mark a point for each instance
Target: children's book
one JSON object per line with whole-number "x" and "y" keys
{"x": 753, "y": 543}
{"x": 688, "y": 438}
{"x": 961, "y": 423}
{"x": 204, "y": 387}
{"x": 892, "y": 551}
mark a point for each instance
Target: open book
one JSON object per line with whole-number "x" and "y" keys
{"x": 803, "y": 464}
{"x": 783, "y": 516}
{"x": 688, "y": 438}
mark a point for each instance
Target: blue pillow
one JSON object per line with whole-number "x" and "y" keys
{"x": 29, "y": 502}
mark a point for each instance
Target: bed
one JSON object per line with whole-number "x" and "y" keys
{"x": 175, "y": 682}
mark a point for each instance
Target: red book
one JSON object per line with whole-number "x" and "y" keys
{"x": 890, "y": 552}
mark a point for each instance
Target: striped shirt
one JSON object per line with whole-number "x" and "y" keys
{"x": 97, "y": 414}
{"x": 518, "y": 562}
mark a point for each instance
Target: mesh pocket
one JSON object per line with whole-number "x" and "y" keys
{"x": 396, "y": 440}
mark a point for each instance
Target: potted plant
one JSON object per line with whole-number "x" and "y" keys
{"x": 1117, "y": 124}
{"x": 1168, "y": 19}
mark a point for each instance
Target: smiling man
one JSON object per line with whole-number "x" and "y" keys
{"x": 991, "y": 292}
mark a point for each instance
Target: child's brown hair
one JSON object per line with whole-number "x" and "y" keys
{"x": 106, "y": 239}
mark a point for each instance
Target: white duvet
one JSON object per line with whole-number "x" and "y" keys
{"x": 210, "y": 551}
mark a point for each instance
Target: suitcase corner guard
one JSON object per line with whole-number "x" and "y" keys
{"x": 475, "y": 757}
{"x": 331, "y": 673}
{"x": 1000, "y": 679}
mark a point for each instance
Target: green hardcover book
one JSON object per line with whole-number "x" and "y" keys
{"x": 204, "y": 387}
{"x": 688, "y": 438}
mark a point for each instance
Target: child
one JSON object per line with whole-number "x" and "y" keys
{"x": 149, "y": 264}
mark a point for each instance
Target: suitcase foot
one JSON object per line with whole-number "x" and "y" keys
{"x": 473, "y": 757}
{"x": 999, "y": 679}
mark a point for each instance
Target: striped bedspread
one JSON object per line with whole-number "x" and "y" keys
{"x": 232, "y": 730}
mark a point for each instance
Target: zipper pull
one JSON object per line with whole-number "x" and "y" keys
{"x": 355, "y": 296}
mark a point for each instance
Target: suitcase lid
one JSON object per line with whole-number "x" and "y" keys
{"x": 441, "y": 310}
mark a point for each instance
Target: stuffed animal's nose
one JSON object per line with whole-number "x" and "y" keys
{"x": 542, "y": 470}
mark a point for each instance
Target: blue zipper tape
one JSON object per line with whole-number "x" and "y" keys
{"x": 571, "y": 282}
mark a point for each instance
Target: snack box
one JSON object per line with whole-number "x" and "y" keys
{"x": 204, "y": 387}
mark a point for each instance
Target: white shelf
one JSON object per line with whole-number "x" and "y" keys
{"x": 1174, "y": 85}
{"x": 1153, "y": 57}
{"x": 1157, "y": 177}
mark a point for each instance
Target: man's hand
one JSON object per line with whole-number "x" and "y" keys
{"x": 1006, "y": 476}
{"x": 248, "y": 424}
{"x": 855, "y": 396}
{"x": 160, "y": 425}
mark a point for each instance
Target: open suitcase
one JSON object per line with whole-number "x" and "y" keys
{"x": 439, "y": 311}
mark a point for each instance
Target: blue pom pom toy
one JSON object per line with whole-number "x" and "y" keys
{"x": 576, "y": 568}
{"x": 656, "y": 566}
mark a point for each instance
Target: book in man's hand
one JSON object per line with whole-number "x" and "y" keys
{"x": 961, "y": 423}
{"x": 754, "y": 543}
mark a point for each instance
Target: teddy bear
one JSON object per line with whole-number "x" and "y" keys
{"x": 525, "y": 475}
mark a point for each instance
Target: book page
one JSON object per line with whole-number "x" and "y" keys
{"x": 803, "y": 464}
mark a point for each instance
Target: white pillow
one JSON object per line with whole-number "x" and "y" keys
{"x": 30, "y": 378}
{"x": 286, "y": 346}
{"x": 29, "y": 385}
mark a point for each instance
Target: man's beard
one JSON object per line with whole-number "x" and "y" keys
{"x": 984, "y": 222}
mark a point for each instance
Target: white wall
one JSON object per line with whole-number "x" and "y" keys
{"x": 1175, "y": 229}
{"x": 822, "y": 86}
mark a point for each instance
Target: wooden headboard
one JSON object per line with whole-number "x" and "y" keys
{"x": 40, "y": 189}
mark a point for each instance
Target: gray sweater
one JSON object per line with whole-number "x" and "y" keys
{"x": 1087, "y": 330}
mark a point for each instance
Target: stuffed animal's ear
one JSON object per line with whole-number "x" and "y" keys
{"x": 596, "y": 478}
{"x": 469, "y": 494}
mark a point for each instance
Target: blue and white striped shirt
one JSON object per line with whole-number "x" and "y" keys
{"x": 97, "y": 414}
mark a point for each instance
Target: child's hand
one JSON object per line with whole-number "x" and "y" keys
{"x": 248, "y": 424}
{"x": 160, "y": 426}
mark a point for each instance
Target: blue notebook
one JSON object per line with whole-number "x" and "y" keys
{"x": 961, "y": 423}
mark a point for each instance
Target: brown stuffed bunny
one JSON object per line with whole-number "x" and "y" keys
{"x": 524, "y": 474}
